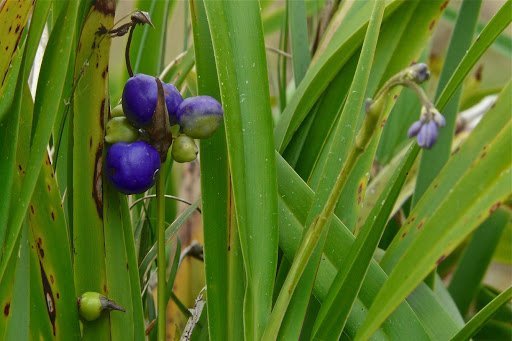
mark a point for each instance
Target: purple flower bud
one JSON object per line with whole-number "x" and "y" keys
{"x": 131, "y": 167}
{"x": 140, "y": 95}
{"x": 414, "y": 129}
{"x": 427, "y": 135}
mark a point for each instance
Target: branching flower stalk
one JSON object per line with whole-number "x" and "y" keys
{"x": 410, "y": 78}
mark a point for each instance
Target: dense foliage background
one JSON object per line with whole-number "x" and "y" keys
{"x": 287, "y": 226}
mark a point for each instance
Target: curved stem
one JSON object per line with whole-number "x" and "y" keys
{"x": 127, "y": 52}
{"x": 167, "y": 196}
{"x": 160, "y": 213}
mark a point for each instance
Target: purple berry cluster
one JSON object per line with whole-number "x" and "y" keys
{"x": 132, "y": 160}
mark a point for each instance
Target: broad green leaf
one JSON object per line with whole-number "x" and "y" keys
{"x": 434, "y": 159}
{"x": 223, "y": 265}
{"x": 50, "y": 89}
{"x": 476, "y": 258}
{"x": 455, "y": 203}
{"x": 90, "y": 110}
{"x": 483, "y": 316}
{"x": 14, "y": 16}
{"x": 51, "y": 268}
{"x": 237, "y": 38}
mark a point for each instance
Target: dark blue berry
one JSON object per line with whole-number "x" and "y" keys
{"x": 140, "y": 96}
{"x": 131, "y": 167}
{"x": 199, "y": 117}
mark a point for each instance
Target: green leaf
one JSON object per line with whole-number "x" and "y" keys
{"x": 299, "y": 38}
{"x": 50, "y": 89}
{"x": 483, "y": 316}
{"x": 147, "y": 38}
{"x": 489, "y": 34}
{"x": 322, "y": 71}
{"x": 435, "y": 227}
{"x": 434, "y": 159}
{"x": 296, "y": 198}
{"x": 51, "y": 269}
{"x": 343, "y": 292}
{"x": 223, "y": 258}
{"x": 90, "y": 111}
{"x": 476, "y": 258}
{"x": 353, "y": 103}
{"x": 237, "y": 37}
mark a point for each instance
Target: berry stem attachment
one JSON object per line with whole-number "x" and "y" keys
{"x": 160, "y": 212}
{"x": 127, "y": 52}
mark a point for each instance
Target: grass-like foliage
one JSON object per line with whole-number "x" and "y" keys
{"x": 255, "y": 170}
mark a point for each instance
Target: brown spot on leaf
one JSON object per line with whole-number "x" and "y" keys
{"x": 443, "y": 5}
{"x": 420, "y": 225}
{"x": 383, "y": 123}
{"x": 17, "y": 28}
{"x": 478, "y": 73}
{"x": 52, "y": 280}
{"x": 53, "y": 215}
{"x": 32, "y": 209}
{"x": 102, "y": 108}
{"x": 431, "y": 25}
{"x": 7, "y": 308}
{"x": 90, "y": 142}
{"x": 403, "y": 235}
{"x": 104, "y": 73}
{"x": 57, "y": 295}
{"x": 48, "y": 294}
{"x": 440, "y": 260}
{"x": 494, "y": 207}
{"x": 97, "y": 185}
{"x": 49, "y": 188}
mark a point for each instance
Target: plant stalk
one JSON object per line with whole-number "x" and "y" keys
{"x": 160, "y": 213}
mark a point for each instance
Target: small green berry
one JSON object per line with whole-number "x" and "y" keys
{"x": 117, "y": 111}
{"x": 91, "y": 304}
{"x": 184, "y": 149}
{"x": 120, "y": 130}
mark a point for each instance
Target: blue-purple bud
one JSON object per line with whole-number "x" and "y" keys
{"x": 140, "y": 96}
{"x": 426, "y": 130}
{"x": 131, "y": 167}
{"x": 199, "y": 117}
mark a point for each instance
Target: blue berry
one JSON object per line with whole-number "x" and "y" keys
{"x": 131, "y": 167}
{"x": 199, "y": 117}
{"x": 140, "y": 96}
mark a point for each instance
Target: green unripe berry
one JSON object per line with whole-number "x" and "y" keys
{"x": 120, "y": 130}
{"x": 184, "y": 149}
{"x": 117, "y": 111}
{"x": 91, "y": 304}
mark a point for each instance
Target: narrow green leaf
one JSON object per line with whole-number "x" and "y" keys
{"x": 436, "y": 231}
{"x": 343, "y": 292}
{"x": 18, "y": 324}
{"x": 483, "y": 316}
{"x": 433, "y": 160}
{"x": 147, "y": 38}
{"x": 223, "y": 263}
{"x": 322, "y": 71}
{"x": 237, "y": 37}
{"x": 295, "y": 199}
{"x": 50, "y": 88}
{"x": 496, "y": 25}
{"x": 299, "y": 38}
{"x": 170, "y": 232}
{"x": 476, "y": 258}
